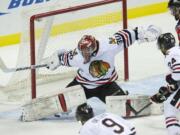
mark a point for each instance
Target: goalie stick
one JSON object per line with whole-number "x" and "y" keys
{"x": 146, "y": 106}
{"x": 5, "y": 69}
{"x": 139, "y": 111}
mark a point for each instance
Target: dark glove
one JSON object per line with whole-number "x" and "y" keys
{"x": 170, "y": 80}
{"x": 136, "y": 32}
{"x": 172, "y": 84}
{"x": 157, "y": 98}
{"x": 161, "y": 96}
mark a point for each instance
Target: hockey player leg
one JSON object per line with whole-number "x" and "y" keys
{"x": 172, "y": 126}
{"x": 62, "y": 101}
{"x": 171, "y": 119}
{"x": 110, "y": 89}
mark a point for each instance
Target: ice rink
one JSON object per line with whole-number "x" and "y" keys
{"x": 141, "y": 82}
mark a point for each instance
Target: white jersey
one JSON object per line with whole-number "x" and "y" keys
{"x": 172, "y": 60}
{"x": 107, "y": 124}
{"x": 100, "y": 69}
{"x": 172, "y": 104}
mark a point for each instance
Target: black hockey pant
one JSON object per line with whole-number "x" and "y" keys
{"x": 102, "y": 91}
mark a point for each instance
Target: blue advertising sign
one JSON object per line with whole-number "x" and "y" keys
{"x": 14, "y": 4}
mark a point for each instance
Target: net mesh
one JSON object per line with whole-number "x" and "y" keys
{"x": 55, "y": 32}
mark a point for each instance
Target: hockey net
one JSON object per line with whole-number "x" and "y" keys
{"x": 48, "y": 29}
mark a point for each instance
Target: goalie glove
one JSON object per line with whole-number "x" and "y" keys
{"x": 53, "y": 62}
{"x": 161, "y": 96}
{"x": 172, "y": 84}
{"x": 149, "y": 34}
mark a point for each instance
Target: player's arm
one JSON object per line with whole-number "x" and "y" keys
{"x": 162, "y": 95}
{"x": 165, "y": 92}
{"x": 173, "y": 61}
{"x": 127, "y": 37}
{"x": 172, "y": 84}
{"x": 61, "y": 58}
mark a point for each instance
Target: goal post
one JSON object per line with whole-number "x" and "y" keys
{"x": 67, "y": 10}
{"x": 60, "y": 26}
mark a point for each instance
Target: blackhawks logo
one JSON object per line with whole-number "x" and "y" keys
{"x": 98, "y": 68}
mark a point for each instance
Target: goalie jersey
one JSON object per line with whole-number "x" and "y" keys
{"x": 107, "y": 124}
{"x": 100, "y": 69}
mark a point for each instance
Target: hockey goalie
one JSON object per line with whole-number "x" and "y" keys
{"x": 96, "y": 71}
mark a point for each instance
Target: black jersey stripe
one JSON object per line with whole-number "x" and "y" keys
{"x": 132, "y": 128}
{"x": 129, "y": 33}
{"x": 176, "y": 72}
{"x": 84, "y": 80}
{"x": 126, "y": 37}
{"x": 61, "y": 58}
{"x": 173, "y": 125}
{"x": 175, "y": 65}
{"x": 175, "y": 98}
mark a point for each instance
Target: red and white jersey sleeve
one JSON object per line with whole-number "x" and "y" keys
{"x": 100, "y": 69}
{"x": 107, "y": 124}
{"x": 172, "y": 60}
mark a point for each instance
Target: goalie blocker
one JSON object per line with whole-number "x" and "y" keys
{"x": 133, "y": 106}
{"x": 61, "y": 101}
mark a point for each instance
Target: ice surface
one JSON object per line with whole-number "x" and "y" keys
{"x": 140, "y": 83}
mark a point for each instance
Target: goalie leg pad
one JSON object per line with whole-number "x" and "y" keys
{"x": 157, "y": 109}
{"x": 40, "y": 108}
{"x": 133, "y": 106}
{"x": 49, "y": 105}
{"x": 129, "y": 105}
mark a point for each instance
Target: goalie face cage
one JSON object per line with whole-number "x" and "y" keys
{"x": 67, "y": 10}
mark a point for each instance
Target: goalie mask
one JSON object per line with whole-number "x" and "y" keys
{"x": 165, "y": 41}
{"x": 174, "y": 7}
{"x": 87, "y": 46}
{"x": 83, "y": 113}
